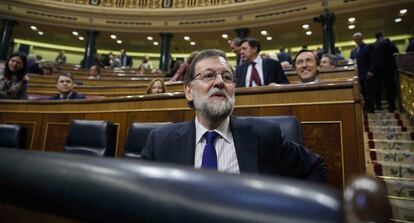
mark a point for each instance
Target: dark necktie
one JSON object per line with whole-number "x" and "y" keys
{"x": 209, "y": 153}
{"x": 254, "y": 76}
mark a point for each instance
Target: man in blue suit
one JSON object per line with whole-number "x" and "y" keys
{"x": 257, "y": 71}
{"x": 126, "y": 61}
{"x": 362, "y": 53}
{"x": 217, "y": 140}
{"x": 65, "y": 84}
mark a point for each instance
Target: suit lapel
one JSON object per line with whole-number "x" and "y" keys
{"x": 245, "y": 142}
{"x": 184, "y": 142}
{"x": 266, "y": 72}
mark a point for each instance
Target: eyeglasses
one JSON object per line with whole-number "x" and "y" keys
{"x": 210, "y": 76}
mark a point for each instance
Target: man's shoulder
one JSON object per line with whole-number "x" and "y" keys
{"x": 172, "y": 127}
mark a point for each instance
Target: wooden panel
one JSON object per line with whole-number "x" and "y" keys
{"x": 33, "y": 123}
{"x": 329, "y": 133}
{"x": 55, "y": 130}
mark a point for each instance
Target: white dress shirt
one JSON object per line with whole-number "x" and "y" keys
{"x": 224, "y": 145}
{"x": 259, "y": 68}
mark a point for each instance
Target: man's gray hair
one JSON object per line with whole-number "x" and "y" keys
{"x": 209, "y": 53}
{"x": 358, "y": 34}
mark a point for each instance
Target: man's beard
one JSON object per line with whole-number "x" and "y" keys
{"x": 214, "y": 110}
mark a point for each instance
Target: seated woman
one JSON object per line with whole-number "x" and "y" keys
{"x": 13, "y": 81}
{"x": 146, "y": 66}
{"x": 156, "y": 86}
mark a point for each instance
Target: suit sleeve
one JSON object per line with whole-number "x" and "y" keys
{"x": 297, "y": 161}
{"x": 281, "y": 77}
{"x": 147, "y": 152}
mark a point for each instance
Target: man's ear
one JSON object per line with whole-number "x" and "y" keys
{"x": 187, "y": 91}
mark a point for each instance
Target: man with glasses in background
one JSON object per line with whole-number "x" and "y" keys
{"x": 215, "y": 139}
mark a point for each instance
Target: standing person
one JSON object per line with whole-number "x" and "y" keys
{"x": 230, "y": 144}
{"x": 362, "y": 53}
{"x": 256, "y": 71}
{"x": 65, "y": 84}
{"x": 61, "y": 58}
{"x": 13, "y": 81}
{"x": 283, "y": 56}
{"x": 126, "y": 61}
{"x": 156, "y": 86}
{"x": 235, "y": 45}
{"x": 384, "y": 70}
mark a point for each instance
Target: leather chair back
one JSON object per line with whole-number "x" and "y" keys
{"x": 97, "y": 138}
{"x": 137, "y": 138}
{"x": 13, "y": 136}
{"x": 289, "y": 125}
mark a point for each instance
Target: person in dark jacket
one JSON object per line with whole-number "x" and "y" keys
{"x": 65, "y": 84}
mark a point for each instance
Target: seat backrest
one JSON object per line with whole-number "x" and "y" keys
{"x": 88, "y": 137}
{"x": 137, "y": 137}
{"x": 13, "y": 136}
{"x": 289, "y": 125}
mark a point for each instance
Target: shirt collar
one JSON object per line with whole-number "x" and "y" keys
{"x": 258, "y": 60}
{"x": 223, "y": 130}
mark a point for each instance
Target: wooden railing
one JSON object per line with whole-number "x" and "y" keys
{"x": 330, "y": 113}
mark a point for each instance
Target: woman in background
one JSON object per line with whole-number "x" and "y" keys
{"x": 13, "y": 81}
{"x": 156, "y": 86}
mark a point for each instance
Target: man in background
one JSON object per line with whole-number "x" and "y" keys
{"x": 306, "y": 66}
{"x": 94, "y": 72}
{"x": 283, "y": 56}
{"x": 65, "y": 84}
{"x": 126, "y": 61}
{"x": 235, "y": 45}
{"x": 256, "y": 71}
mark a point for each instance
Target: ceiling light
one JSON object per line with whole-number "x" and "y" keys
{"x": 308, "y": 33}
{"x": 75, "y": 33}
{"x": 40, "y": 33}
{"x": 305, "y": 26}
{"x": 192, "y": 43}
{"x": 113, "y": 36}
{"x": 352, "y": 19}
{"x": 263, "y": 32}
{"x": 398, "y": 19}
{"x": 403, "y": 11}
{"x": 33, "y": 27}
{"x": 150, "y": 38}
{"x": 269, "y": 38}
{"x": 225, "y": 36}
{"x": 352, "y": 26}
{"x": 119, "y": 41}
{"x": 186, "y": 38}
{"x": 155, "y": 43}
{"x": 81, "y": 38}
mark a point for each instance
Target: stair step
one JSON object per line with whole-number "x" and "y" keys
{"x": 389, "y": 135}
{"x": 393, "y": 169}
{"x": 399, "y": 187}
{"x": 384, "y": 144}
{"x": 388, "y": 129}
{"x": 402, "y": 209}
{"x": 384, "y": 122}
{"x": 400, "y": 156}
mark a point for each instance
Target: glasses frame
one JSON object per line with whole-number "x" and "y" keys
{"x": 215, "y": 76}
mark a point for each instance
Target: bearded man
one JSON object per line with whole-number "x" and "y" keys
{"x": 215, "y": 139}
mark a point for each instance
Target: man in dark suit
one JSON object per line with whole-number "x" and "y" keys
{"x": 362, "y": 53}
{"x": 214, "y": 139}
{"x": 235, "y": 45}
{"x": 384, "y": 69}
{"x": 65, "y": 84}
{"x": 257, "y": 71}
{"x": 283, "y": 56}
{"x": 126, "y": 61}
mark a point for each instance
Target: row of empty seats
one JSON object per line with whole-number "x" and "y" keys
{"x": 98, "y": 138}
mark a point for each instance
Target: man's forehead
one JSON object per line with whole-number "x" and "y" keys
{"x": 63, "y": 78}
{"x": 306, "y": 55}
{"x": 212, "y": 61}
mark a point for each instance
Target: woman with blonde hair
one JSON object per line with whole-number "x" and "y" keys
{"x": 156, "y": 86}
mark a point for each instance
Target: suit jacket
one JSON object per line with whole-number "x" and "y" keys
{"x": 74, "y": 95}
{"x": 272, "y": 73}
{"x": 126, "y": 60}
{"x": 260, "y": 148}
{"x": 364, "y": 59}
{"x": 383, "y": 57}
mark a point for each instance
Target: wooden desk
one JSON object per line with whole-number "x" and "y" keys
{"x": 338, "y": 73}
{"x": 331, "y": 115}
